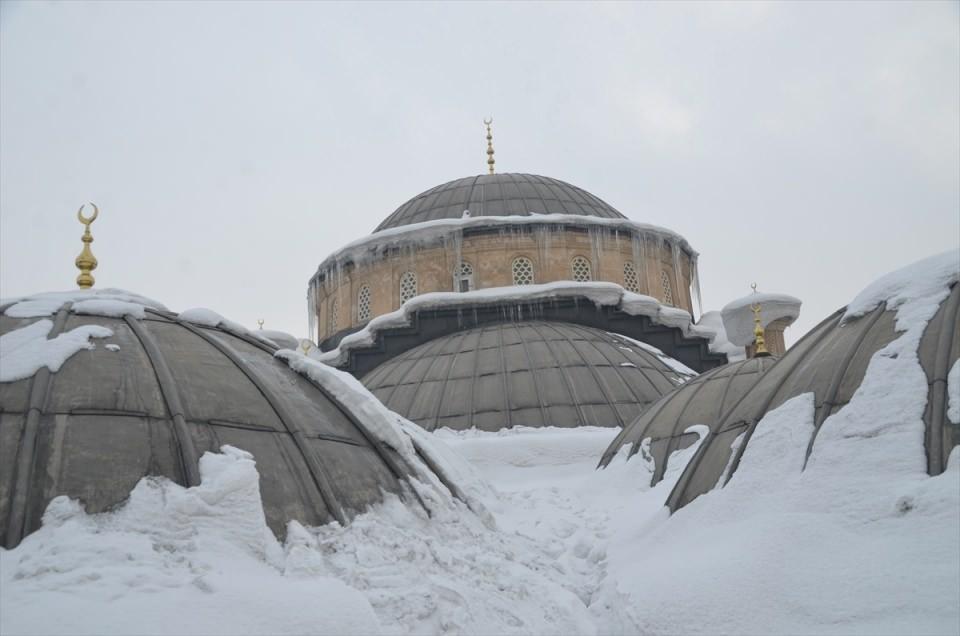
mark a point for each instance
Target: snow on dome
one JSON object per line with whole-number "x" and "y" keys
{"x": 659, "y": 431}
{"x": 532, "y": 373}
{"x": 877, "y": 369}
{"x": 503, "y": 194}
{"x": 600, "y": 293}
{"x": 738, "y": 316}
{"x": 711, "y": 327}
{"x": 89, "y": 421}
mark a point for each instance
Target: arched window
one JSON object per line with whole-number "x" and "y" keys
{"x": 334, "y": 316}
{"x": 408, "y": 286}
{"x": 630, "y": 279}
{"x": 522, "y": 271}
{"x": 581, "y": 270}
{"x": 363, "y": 304}
{"x": 667, "y": 291}
{"x": 463, "y": 277}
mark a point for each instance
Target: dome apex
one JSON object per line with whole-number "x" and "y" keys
{"x": 506, "y": 194}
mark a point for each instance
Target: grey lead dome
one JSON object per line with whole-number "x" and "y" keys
{"x": 533, "y": 373}
{"x": 505, "y": 194}
{"x": 831, "y": 361}
{"x": 162, "y": 395}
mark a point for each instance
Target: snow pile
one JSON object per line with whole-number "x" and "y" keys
{"x": 25, "y": 351}
{"x": 710, "y": 326}
{"x": 928, "y": 279}
{"x": 738, "y": 317}
{"x": 857, "y": 538}
{"x": 98, "y": 302}
{"x": 600, "y": 293}
{"x": 953, "y": 393}
{"x": 171, "y": 560}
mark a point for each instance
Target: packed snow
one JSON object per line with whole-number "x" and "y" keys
{"x": 209, "y": 318}
{"x": 738, "y": 319}
{"x": 26, "y": 350}
{"x": 710, "y": 326}
{"x": 953, "y": 393}
{"x": 675, "y": 365}
{"x": 601, "y": 294}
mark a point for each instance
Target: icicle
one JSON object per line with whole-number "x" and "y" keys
{"x": 682, "y": 289}
{"x": 312, "y": 316}
{"x": 695, "y": 275}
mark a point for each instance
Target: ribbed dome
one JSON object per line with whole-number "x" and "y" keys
{"x": 154, "y": 396}
{"x": 831, "y": 362}
{"x": 499, "y": 195}
{"x": 702, "y": 400}
{"x": 523, "y": 374}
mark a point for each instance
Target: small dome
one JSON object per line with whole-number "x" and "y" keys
{"x": 831, "y": 362}
{"x": 148, "y": 395}
{"x": 499, "y": 195}
{"x": 524, "y": 374}
{"x": 702, "y": 400}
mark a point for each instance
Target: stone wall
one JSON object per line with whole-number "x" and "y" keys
{"x": 491, "y": 255}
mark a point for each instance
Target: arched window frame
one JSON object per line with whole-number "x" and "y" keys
{"x": 333, "y": 315}
{"x": 523, "y": 271}
{"x": 364, "y": 300}
{"x": 667, "y": 288}
{"x": 463, "y": 277}
{"x": 631, "y": 280}
{"x": 581, "y": 271}
{"x": 408, "y": 286}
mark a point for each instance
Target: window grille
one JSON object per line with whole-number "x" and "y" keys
{"x": 581, "y": 270}
{"x": 408, "y": 286}
{"x": 522, "y": 271}
{"x": 463, "y": 279}
{"x": 334, "y": 316}
{"x": 667, "y": 291}
{"x": 630, "y": 279}
{"x": 363, "y": 304}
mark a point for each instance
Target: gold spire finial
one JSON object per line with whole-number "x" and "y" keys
{"x": 490, "y": 161}
{"x": 760, "y": 345}
{"x": 86, "y": 262}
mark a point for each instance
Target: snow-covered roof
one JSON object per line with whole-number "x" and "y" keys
{"x": 144, "y": 391}
{"x": 879, "y": 370}
{"x": 600, "y": 293}
{"x": 738, "y": 316}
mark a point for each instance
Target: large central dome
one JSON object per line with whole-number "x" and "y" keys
{"x": 499, "y": 195}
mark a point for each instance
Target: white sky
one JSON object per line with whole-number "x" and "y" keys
{"x": 809, "y": 147}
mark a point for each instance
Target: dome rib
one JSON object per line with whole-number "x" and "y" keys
{"x": 533, "y": 376}
{"x": 947, "y": 341}
{"x": 320, "y": 476}
{"x": 513, "y": 194}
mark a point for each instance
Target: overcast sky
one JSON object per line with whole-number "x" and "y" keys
{"x": 809, "y": 147}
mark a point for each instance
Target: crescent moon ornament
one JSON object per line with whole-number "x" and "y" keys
{"x": 88, "y": 221}
{"x": 488, "y": 121}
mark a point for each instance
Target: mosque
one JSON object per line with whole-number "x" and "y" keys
{"x": 488, "y": 302}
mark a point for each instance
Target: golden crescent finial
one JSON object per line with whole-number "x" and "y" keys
{"x": 88, "y": 221}
{"x": 760, "y": 345}
{"x": 260, "y": 322}
{"x": 86, "y": 262}
{"x": 306, "y": 345}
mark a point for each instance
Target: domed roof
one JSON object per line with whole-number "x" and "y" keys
{"x": 904, "y": 329}
{"x": 530, "y": 373}
{"x": 701, "y": 401}
{"x": 499, "y": 195}
{"x": 149, "y": 395}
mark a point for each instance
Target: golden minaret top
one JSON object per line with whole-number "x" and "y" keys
{"x": 490, "y": 161}
{"x": 760, "y": 345}
{"x": 86, "y": 262}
